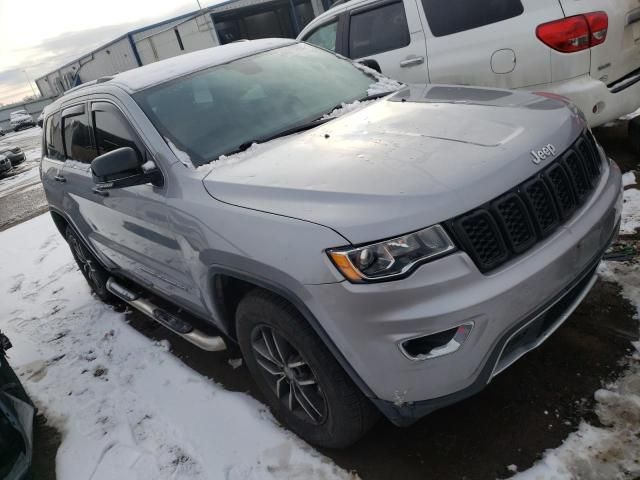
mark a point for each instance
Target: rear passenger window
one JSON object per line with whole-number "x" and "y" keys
{"x": 112, "y": 129}
{"x": 324, "y": 36}
{"x": 53, "y": 138}
{"x": 77, "y": 138}
{"x": 453, "y": 16}
{"x": 378, "y": 30}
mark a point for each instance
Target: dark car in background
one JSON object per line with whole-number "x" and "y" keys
{"x": 14, "y": 154}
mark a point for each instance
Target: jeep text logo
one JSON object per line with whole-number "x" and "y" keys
{"x": 543, "y": 154}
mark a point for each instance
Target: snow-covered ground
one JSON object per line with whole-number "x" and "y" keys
{"x": 126, "y": 407}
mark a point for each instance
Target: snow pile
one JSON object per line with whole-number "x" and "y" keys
{"x": 628, "y": 179}
{"x": 382, "y": 85}
{"x": 184, "y": 157}
{"x": 612, "y": 450}
{"x": 630, "y": 211}
{"x": 126, "y": 407}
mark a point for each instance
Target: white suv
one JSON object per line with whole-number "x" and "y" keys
{"x": 588, "y": 51}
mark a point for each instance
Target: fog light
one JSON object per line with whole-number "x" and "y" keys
{"x": 436, "y": 345}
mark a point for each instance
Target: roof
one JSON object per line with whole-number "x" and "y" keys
{"x": 174, "y": 67}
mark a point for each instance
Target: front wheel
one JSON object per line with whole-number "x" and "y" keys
{"x": 301, "y": 381}
{"x": 95, "y": 275}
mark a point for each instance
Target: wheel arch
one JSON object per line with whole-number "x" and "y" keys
{"x": 230, "y": 286}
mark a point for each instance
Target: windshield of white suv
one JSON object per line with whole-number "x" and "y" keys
{"x": 222, "y": 110}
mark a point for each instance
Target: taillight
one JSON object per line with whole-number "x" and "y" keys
{"x": 599, "y": 26}
{"x": 574, "y": 34}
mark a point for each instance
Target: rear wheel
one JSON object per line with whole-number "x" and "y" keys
{"x": 301, "y": 381}
{"x": 95, "y": 275}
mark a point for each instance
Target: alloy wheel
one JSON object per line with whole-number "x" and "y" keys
{"x": 289, "y": 375}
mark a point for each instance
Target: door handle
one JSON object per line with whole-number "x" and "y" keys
{"x": 102, "y": 193}
{"x": 59, "y": 178}
{"x": 410, "y": 62}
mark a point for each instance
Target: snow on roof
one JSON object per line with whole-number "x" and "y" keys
{"x": 165, "y": 70}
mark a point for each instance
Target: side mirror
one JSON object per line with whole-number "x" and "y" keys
{"x": 372, "y": 64}
{"x": 40, "y": 122}
{"x": 123, "y": 168}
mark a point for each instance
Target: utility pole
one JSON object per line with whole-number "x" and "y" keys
{"x": 29, "y": 82}
{"x": 199, "y": 6}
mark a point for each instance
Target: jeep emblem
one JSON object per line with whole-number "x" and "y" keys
{"x": 543, "y": 153}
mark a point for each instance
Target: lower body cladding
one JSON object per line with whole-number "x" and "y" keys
{"x": 443, "y": 333}
{"x": 600, "y": 103}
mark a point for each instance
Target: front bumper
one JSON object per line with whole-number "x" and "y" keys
{"x": 586, "y": 92}
{"x": 368, "y": 322}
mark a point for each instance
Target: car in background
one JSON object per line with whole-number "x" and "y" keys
{"x": 15, "y": 154}
{"x": 21, "y": 119}
{"x": 5, "y": 165}
{"x": 587, "y": 51}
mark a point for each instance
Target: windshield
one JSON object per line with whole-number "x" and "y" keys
{"x": 216, "y": 111}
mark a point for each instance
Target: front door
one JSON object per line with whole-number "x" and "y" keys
{"x": 127, "y": 227}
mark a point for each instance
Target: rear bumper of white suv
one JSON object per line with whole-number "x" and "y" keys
{"x": 599, "y": 103}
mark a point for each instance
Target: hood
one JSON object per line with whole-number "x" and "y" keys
{"x": 402, "y": 163}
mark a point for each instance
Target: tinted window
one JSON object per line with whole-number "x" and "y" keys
{"x": 452, "y": 16}
{"x": 77, "y": 138}
{"x": 379, "y": 30}
{"x": 324, "y": 36}
{"x": 53, "y": 138}
{"x": 222, "y": 109}
{"x": 112, "y": 130}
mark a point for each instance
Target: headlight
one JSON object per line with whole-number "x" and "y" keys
{"x": 392, "y": 258}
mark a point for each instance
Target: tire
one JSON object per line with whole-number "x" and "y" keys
{"x": 328, "y": 409}
{"x": 95, "y": 275}
{"x": 634, "y": 134}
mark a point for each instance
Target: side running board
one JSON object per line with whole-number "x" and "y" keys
{"x": 166, "y": 319}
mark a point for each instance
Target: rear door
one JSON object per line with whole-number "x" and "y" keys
{"x": 619, "y": 55}
{"x": 488, "y": 43}
{"x": 52, "y": 164}
{"x": 390, "y": 33}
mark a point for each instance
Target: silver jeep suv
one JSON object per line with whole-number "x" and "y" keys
{"x": 370, "y": 247}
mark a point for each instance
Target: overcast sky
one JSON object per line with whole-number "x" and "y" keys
{"x": 39, "y": 35}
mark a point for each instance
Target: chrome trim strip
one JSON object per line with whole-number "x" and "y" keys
{"x": 567, "y": 313}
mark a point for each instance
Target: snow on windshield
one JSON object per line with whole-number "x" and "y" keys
{"x": 381, "y": 86}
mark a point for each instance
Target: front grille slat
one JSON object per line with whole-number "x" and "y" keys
{"x": 540, "y": 200}
{"x": 514, "y": 222}
{"x": 513, "y": 217}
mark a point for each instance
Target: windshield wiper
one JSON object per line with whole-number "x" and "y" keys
{"x": 289, "y": 131}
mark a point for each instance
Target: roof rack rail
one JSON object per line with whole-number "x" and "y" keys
{"x": 81, "y": 86}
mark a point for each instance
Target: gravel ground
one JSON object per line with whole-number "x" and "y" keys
{"x": 529, "y": 408}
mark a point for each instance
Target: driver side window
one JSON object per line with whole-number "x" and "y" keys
{"x": 112, "y": 129}
{"x": 324, "y": 36}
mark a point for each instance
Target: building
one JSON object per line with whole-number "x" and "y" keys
{"x": 223, "y": 23}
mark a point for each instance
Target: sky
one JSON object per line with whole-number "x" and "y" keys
{"x": 36, "y": 36}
